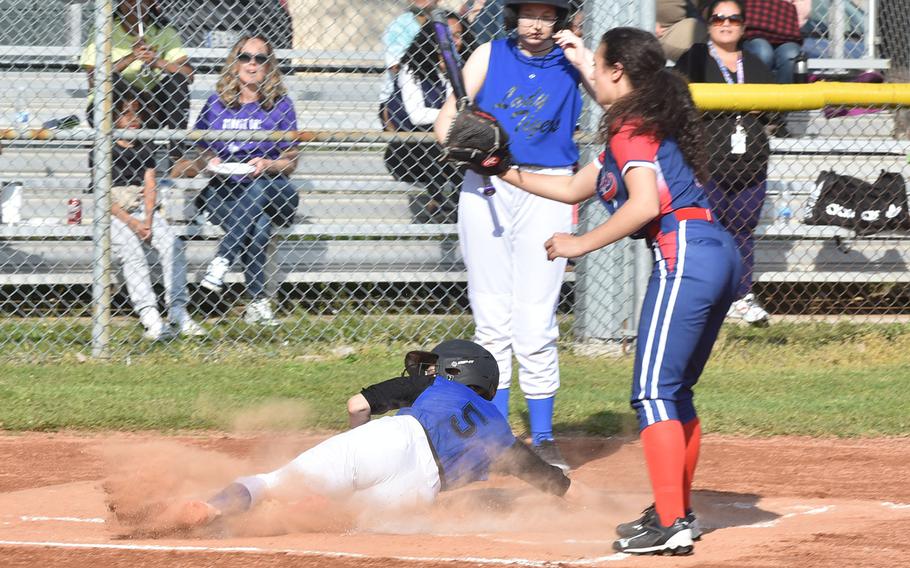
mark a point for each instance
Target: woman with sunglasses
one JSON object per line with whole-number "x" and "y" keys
{"x": 737, "y": 145}
{"x": 250, "y": 191}
{"x": 530, "y": 84}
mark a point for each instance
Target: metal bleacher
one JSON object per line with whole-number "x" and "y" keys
{"x": 354, "y": 222}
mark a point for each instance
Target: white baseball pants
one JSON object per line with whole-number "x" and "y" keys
{"x": 386, "y": 463}
{"x": 512, "y": 287}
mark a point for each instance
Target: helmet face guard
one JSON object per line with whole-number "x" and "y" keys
{"x": 418, "y": 363}
{"x": 468, "y": 363}
{"x": 510, "y": 13}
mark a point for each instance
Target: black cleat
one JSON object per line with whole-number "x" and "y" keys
{"x": 656, "y": 539}
{"x": 649, "y": 515}
{"x": 548, "y": 452}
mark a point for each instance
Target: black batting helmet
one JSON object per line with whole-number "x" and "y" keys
{"x": 467, "y": 363}
{"x": 510, "y": 13}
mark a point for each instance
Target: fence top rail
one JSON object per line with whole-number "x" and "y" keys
{"x": 58, "y": 56}
{"x": 204, "y": 58}
{"x": 359, "y": 138}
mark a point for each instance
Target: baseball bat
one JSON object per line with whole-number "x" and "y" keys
{"x": 449, "y": 53}
{"x": 453, "y": 71}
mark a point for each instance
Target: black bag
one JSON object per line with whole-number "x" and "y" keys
{"x": 852, "y": 203}
{"x": 885, "y": 209}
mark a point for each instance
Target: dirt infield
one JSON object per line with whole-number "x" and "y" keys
{"x": 764, "y": 502}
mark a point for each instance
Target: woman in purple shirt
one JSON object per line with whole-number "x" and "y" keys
{"x": 250, "y": 95}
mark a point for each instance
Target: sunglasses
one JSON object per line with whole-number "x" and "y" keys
{"x": 719, "y": 19}
{"x": 259, "y": 58}
{"x": 532, "y": 20}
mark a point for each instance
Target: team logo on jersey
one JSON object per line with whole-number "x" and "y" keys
{"x": 606, "y": 186}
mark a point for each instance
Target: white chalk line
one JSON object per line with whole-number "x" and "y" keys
{"x": 806, "y": 510}
{"x": 890, "y": 505}
{"x": 37, "y": 519}
{"x": 301, "y": 552}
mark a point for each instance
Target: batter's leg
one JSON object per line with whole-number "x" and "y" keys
{"x": 534, "y": 326}
{"x": 484, "y": 235}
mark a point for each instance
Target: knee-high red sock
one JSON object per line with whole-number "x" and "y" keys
{"x": 665, "y": 452}
{"x": 692, "y": 431}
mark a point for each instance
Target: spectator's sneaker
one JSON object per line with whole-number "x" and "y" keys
{"x": 653, "y": 538}
{"x": 260, "y": 312}
{"x": 189, "y": 328}
{"x": 155, "y": 327}
{"x": 649, "y": 515}
{"x": 548, "y": 452}
{"x": 749, "y": 310}
{"x": 184, "y": 323}
{"x": 214, "y": 275}
{"x": 158, "y": 331}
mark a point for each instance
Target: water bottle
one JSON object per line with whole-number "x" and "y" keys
{"x": 801, "y": 68}
{"x": 785, "y": 212}
{"x": 23, "y": 116}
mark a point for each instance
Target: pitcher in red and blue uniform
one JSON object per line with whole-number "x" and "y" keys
{"x": 649, "y": 179}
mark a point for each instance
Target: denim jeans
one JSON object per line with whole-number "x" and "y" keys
{"x": 780, "y": 59}
{"x": 247, "y": 211}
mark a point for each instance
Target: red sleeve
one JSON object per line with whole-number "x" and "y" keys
{"x": 633, "y": 151}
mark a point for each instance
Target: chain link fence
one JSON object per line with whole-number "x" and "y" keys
{"x": 351, "y": 233}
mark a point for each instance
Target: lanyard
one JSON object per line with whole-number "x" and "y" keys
{"x": 740, "y": 76}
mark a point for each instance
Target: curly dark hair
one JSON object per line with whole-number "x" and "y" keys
{"x": 422, "y": 56}
{"x": 660, "y": 102}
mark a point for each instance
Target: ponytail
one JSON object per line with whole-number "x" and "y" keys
{"x": 660, "y": 101}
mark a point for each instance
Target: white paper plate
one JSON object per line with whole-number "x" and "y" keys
{"x": 231, "y": 169}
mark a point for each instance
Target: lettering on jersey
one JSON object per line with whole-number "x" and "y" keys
{"x": 606, "y": 185}
{"x": 241, "y": 124}
{"x": 467, "y": 426}
{"x": 526, "y": 107}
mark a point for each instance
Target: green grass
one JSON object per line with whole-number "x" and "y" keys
{"x": 816, "y": 380}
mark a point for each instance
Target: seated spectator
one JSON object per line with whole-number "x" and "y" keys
{"x": 772, "y": 34}
{"x": 484, "y": 19}
{"x": 148, "y": 56}
{"x": 678, "y": 27}
{"x": 250, "y": 95}
{"x": 135, "y": 222}
{"x": 816, "y": 26}
{"x": 398, "y": 35}
{"x": 420, "y": 90}
{"x": 736, "y": 145}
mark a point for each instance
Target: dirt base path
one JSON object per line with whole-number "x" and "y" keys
{"x": 764, "y": 503}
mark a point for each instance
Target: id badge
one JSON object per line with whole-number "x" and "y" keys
{"x": 738, "y": 141}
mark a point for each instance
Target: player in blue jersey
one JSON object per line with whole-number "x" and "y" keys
{"x": 446, "y": 434}
{"x": 648, "y": 178}
{"x": 530, "y": 82}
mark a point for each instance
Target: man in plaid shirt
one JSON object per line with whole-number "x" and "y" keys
{"x": 772, "y": 34}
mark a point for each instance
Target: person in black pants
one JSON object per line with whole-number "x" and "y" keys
{"x": 736, "y": 144}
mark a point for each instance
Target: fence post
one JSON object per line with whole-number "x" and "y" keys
{"x": 75, "y": 26}
{"x": 870, "y": 36}
{"x": 609, "y": 282}
{"x": 101, "y": 182}
{"x": 837, "y": 26}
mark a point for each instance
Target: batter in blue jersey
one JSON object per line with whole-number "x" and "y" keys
{"x": 446, "y": 434}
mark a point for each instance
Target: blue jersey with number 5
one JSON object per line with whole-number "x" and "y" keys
{"x": 466, "y": 431}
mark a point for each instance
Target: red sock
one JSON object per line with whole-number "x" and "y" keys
{"x": 692, "y": 431}
{"x": 665, "y": 452}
